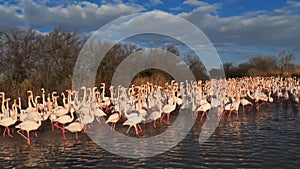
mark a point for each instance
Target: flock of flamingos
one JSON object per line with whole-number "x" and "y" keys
{"x": 142, "y": 103}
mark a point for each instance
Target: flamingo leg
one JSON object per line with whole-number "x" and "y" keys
{"x": 154, "y": 124}
{"x": 4, "y": 132}
{"x": 237, "y": 115}
{"x": 8, "y": 132}
{"x": 114, "y": 126}
{"x": 224, "y": 113}
{"x": 162, "y": 117}
{"x": 194, "y": 115}
{"x": 136, "y": 130}
{"x": 140, "y": 128}
{"x": 63, "y": 131}
{"x": 28, "y": 137}
{"x": 202, "y": 116}
{"x": 123, "y": 118}
{"x": 206, "y": 115}
{"x": 228, "y": 118}
{"x": 57, "y": 126}
{"x": 250, "y": 107}
{"x": 84, "y": 129}
{"x": 52, "y": 125}
{"x": 19, "y": 132}
{"x": 257, "y": 106}
{"x": 98, "y": 120}
{"x": 169, "y": 119}
{"x": 35, "y": 134}
{"x": 128, "y": 129}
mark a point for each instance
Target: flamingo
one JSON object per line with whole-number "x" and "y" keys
{"x": 28, "y": 125}
{"x": 105, "y": 100}
{"x": 204, "y": 109}
{"x": 235, "y": 106}
{"x": 5, "y": 110}
{"x": 156, "y": 115}
{"x": 87, "y": 118}
{"x": 64, "y": 120}
{"x": 134, "y": 121}
{"x": 294, "y": 93}
{"x": 113, "y": 118}
{"x": 98, "y": 113}
{"x": 8, "y": 121}
{"x": 60, "y": 110}
{"x": 75, "y": 127}
{"x": 245, "y": 102}
{"x": 30, "y": 108}
{"x": 34, "y": 115}
{"x": 270, "y": 99}
{"x": 167, "y": 109}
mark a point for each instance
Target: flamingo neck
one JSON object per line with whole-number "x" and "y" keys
{"x": 3, "y": 105}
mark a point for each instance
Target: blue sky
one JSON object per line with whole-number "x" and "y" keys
{"x": 239, "y": 29}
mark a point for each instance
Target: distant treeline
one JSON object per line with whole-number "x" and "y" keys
{"x": 30, "y": 61}
{"x": 281, "y": 65}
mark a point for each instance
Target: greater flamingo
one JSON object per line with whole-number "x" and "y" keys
{"x": 28, "y": 125}
{"x": 8, "y": 121}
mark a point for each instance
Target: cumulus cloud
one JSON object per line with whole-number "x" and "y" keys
{"x": 9, "y": 17}
{"x": 83, "y": 16}
{"x": 275, "y": 29}
{"x": 194, "y": 2}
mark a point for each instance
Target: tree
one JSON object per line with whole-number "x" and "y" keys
{"x": 230, "y": 70}
{"x": 263, "y": 66}
{"x": 31, "y": 60}
{"x": 285, "y": 59}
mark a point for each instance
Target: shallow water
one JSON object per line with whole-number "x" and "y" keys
{"x": 266, "y": 139}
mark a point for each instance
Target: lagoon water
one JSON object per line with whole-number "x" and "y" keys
{"x": 269, "y": 138}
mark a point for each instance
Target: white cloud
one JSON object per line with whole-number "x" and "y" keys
{"x": 83, "y": 16}
{"x": 194, "y": 2}
{"x": 9, "y": 17}
{"x": 275, "y": 29}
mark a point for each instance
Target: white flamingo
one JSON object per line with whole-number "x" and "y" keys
{"x": 134, "y": 121}
{"x": 8, "y": 121}
{"x": 167, "y": 109}
{"x": 28, "y": 125}
{"x": 64, "y": 120}
{"x": 204, "y": 109}
{"x": 156, "y": 115}
{"x": 114, "y": 118}
{"x": 245, "y": 102}
{"x": 98, "y": 113}
{"x": 75, "y": 127}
